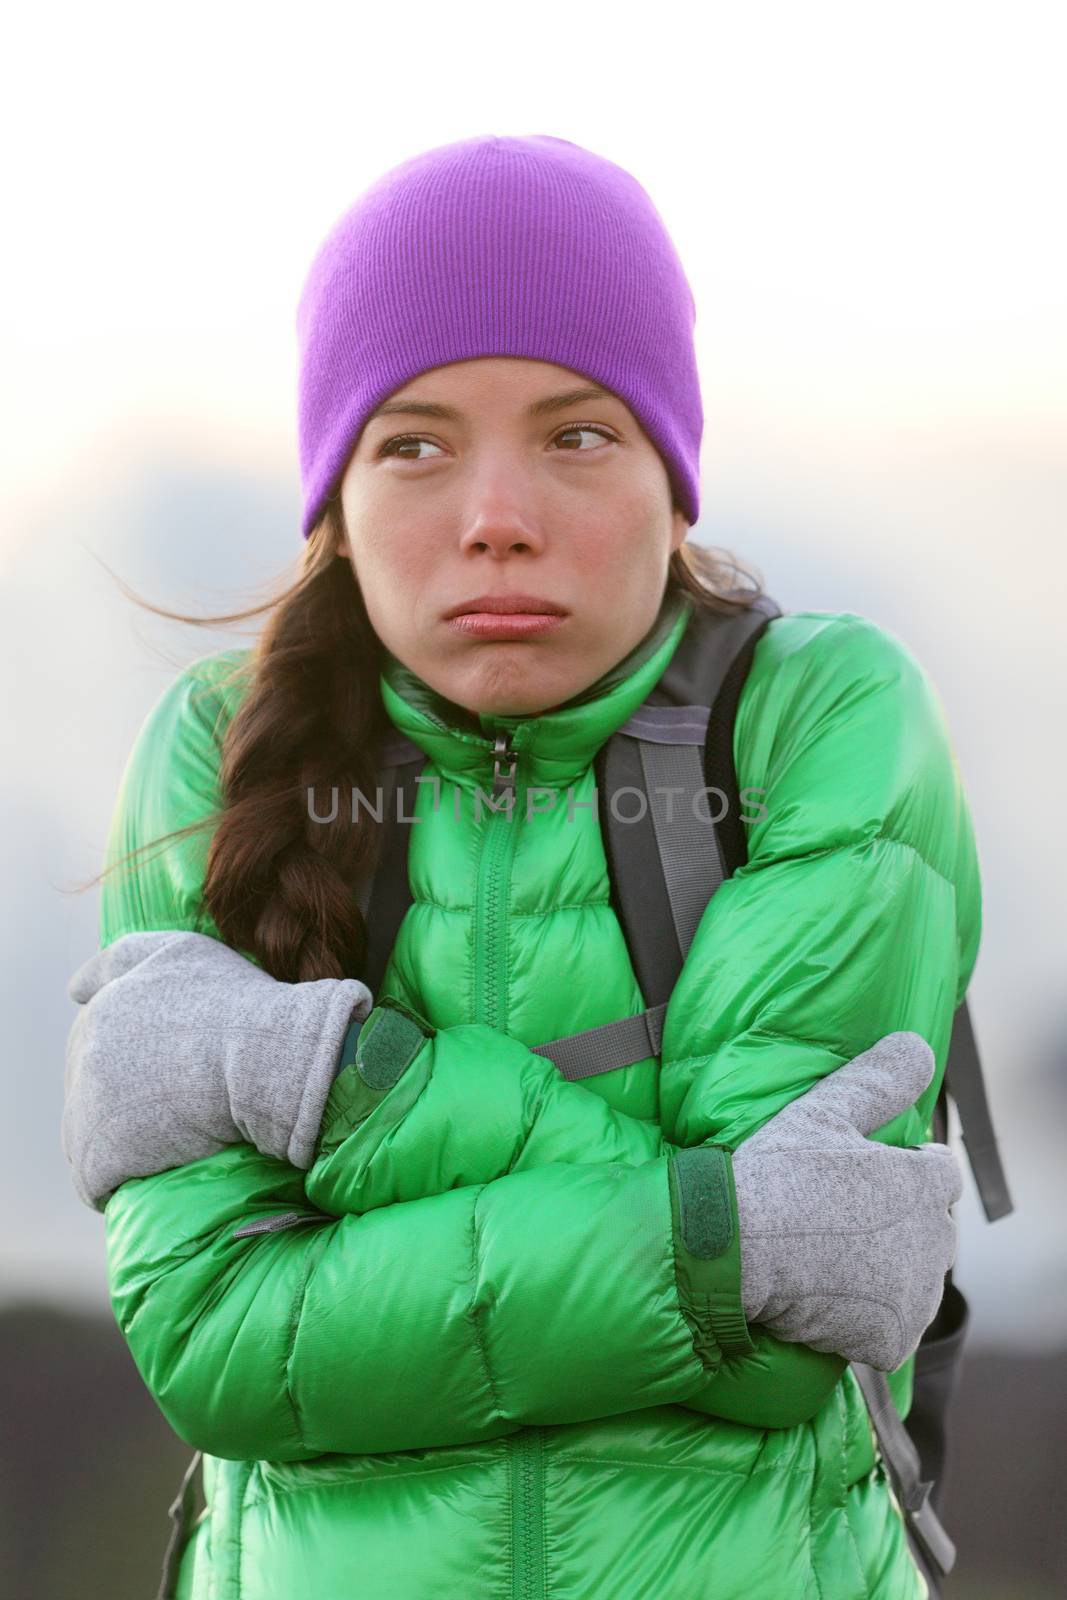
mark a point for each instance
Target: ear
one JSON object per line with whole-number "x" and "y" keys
{"x": 679, "y": 528}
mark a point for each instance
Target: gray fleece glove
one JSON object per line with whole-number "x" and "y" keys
{"x": 255, "y": 1058}
{"x": 845, "y": 1242}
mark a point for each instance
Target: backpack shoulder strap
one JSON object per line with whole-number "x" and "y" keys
{"x": 677, "y": 749}
{"x": 902, "y": 1463}
{"x": 965, "y": 1082}
{"x": 385, "y": 892}
{"x": 667, "y": 855}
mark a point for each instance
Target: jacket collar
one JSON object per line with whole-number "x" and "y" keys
{"x": 553, "y": 747}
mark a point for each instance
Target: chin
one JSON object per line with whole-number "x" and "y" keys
{"x": 512, "y": 688}
{"x": 529, "y": 706}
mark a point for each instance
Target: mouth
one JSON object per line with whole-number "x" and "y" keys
{"x": 506, "y": 616}
{"x": 507, "y": 605}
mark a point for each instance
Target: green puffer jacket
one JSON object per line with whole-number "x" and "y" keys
{"x": 486, "y": 1357}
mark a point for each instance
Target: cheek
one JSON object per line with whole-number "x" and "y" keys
{"x": 603, "y": 551}
{"x": 626, "y": 557}
{"x": 391, "y": 572}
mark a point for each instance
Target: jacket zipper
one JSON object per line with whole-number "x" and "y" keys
{"x": 525, "y": 1446}
{"x": 527, "y": 1515}
{"x": 490, "y": 997}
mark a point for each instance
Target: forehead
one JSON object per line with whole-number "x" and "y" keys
{"x": 532, "y": 387}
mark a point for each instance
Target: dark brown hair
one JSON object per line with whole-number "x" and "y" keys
{"x": 278, "y": 884}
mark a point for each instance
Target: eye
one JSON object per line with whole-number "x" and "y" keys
{"x": 583, "y": 427}
{"x": 405, "y": 439}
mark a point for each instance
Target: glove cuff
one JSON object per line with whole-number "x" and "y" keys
{"x": 373, "y": 1058}
{"x": 707, "y": 1240}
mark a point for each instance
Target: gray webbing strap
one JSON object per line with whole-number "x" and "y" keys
{"x": 615, "y": 1044}
{"x": 902, "y": 1464}
{"x": 685, "y": 834}
{"x": 966, "y": 1085}
{"x": 181, "y": 1515}
{"x": 685, "y": 725}
{"x": 671, "y": 744}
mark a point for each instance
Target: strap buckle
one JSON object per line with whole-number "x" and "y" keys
{"x": 929, "y": 1530}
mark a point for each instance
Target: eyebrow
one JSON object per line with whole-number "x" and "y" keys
{"x": 427, "y": 408}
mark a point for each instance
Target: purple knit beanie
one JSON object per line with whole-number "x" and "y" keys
{"x": 513, "y": 246}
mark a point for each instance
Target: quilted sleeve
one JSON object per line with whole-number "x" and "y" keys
{"x": 858, "y": 914}
{"x": 507, "y": 1109}
{"x": 266, "y": 1329}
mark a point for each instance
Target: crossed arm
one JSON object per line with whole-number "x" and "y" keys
{"x": 547, "y": 1210}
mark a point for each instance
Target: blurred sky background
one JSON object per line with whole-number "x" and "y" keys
{"x": 868, "y": 201}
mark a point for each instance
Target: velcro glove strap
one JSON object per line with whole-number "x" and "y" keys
{"x": 708, "y": 1250}
{"x": 382, "y": 1048}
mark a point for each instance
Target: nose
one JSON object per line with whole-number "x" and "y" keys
{"x": 500, "y": 523}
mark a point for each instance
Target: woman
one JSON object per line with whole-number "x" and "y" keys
{"x": 442, "y": 1321}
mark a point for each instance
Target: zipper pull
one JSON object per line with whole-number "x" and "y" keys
{"x": 505, "y": 767}
{"x": 277, "y": 1224}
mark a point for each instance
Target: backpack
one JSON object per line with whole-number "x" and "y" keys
{"x": 663, "y": 869}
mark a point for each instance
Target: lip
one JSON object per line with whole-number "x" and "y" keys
{"x": 498, "y": 625}
{"x": 509, "y": 605}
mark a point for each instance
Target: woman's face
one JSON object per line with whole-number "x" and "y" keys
{"x": 488, "y": 477}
